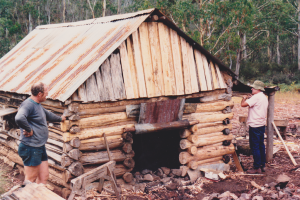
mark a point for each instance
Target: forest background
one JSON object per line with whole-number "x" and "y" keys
{"x": 257, "y": 39}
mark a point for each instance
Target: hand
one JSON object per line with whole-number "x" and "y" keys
{"x": 249, "y": 96}
{"x": 27, "y": 134}
{"x": 63, "y": 118}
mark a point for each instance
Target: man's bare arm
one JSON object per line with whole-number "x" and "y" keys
{"x": 244, "y": 103}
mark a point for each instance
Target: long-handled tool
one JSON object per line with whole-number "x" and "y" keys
{"x": 288, "y": 151}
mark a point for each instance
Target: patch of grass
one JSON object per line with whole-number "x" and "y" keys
{"x": 287, "y": 97}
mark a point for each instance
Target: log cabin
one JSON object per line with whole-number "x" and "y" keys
{"x": 159, "y": 97}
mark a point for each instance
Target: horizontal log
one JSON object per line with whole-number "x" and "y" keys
{"x": 133, "y": 110}
{"x": 55, "y": 142}
{"x": 55, "y": 136}
{"x": 185, "y": 157}
{"x": 214, "y": 106}
{"x": 54, "y": 130}
{"x": 67, "y": 147}
{"x": 192, "y": 150}
{"x": 147, "y": 128}
{"x": 185, "y": 133}
{"x": 76, "y": 169}
{"x": 75, "y": 142}
{"x": 204, "y": 125}
{"x": 212, "y": 129}
{"x": 74, "y": 154}
{"x": 7, "y": 161}
{"x": 97, "y": 121}
{"x": 66, "y": 160}
{"x": 204, "y": 141}
{"x": 97, "y": 132}
{"x": 67, "y": 176}
{"x": 102, "y": 157}
{"x": 127, "y": 136}
{"x": 128, "y": 177}
{"x": 11, "y": 155}
{"x": 195, "y": 164}
{"x": 74, "y": 129}
{"x": 57, "y": 181}
{"x": 98, "y": 111}
{"x": 209, "y": 98}
{"x": 120, "y": 170}
{"x": 54, "y": 156}
{"x": 54, "y": 148}
{"x": 208, "y": 117}
{"x": 127, "y": 147}
{"x": 55, "y": 165}
{"x": 139, "y": 101}
{"x": 129, "y": 162}
{"x": 99, "y": 143}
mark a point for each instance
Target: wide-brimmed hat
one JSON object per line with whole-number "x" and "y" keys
{"x": 258, "y": 85}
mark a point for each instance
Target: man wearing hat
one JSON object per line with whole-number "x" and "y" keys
{"x": 258, "y": 105}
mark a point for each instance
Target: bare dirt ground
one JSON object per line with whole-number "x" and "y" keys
{"x": 287, "y": 106}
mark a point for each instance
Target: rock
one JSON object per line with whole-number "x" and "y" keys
{"x": 245, "y": 196}
{"x": 295, "y": 197}
{"x": 228, "y": 194}
{"x": 288, "y": 191}
{"x": 281, "y": 194}
{"x": 258, "y": 198}
{"x": 165, "y": 180}
{"x": 166, "y": 170}
{"x": 266, "y": 185}
{"x": 176, "y": 172}
{"x": 140, "y": 186}
{"x": 278, "y": 188}
{"x": 172, "y": 186}
{"x": 213, "y": 196}
{"x": 146, "y": 171}
{"x": 184, "y": 170}
{"x": 138, "y": 178}
{"x": 298, "y": 191}
{"x": 254, "y": 191}
{"x": 159, "y": 172}
{"x": 282, "y": 181}
{"x": 270, "y": 192}
{"x": 137, "y": 173}
{"x": 272, "y": 185}
{"x": 148, "y": 177}
{"x": 274, "y": 196}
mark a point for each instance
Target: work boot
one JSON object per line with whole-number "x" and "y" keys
{"x": 254, "y": 171}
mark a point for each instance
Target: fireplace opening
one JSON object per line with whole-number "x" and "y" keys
{"x": 157, "y": 149}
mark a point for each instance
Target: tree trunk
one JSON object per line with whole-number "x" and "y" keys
{"x": 277, "y": 50}
{"x": 104, "y": 7}
{"x": 244, "y": 46}
{"x": 201, "y": 26}
{"x": 269, "y": 49}
{"x": 298, "y": 34}
{"x": 119, "y": 7}
{"x": 64, "y": 11}
{"x": 238, "y": 58}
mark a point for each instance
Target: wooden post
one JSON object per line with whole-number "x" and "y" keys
{"x": 270, "y": 129}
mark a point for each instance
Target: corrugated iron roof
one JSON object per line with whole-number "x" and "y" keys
{"x": 63, "y": 56}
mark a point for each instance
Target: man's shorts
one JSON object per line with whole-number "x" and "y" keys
{"x": 32, "y": 156}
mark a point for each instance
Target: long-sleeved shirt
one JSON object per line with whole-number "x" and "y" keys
{"x": 32, "y": 116}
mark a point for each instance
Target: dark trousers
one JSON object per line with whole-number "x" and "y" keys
{"x": 256, "y": 139}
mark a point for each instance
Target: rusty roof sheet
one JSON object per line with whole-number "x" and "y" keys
{"x": 63, "y": 56}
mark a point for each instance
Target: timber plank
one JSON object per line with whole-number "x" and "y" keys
{"x": 82, "y": 93}
{"x": 128, "y": 80}
{"x": 176, "y": 50}
{"x": 116, "y": 77}
{"x": 207, "y": 73}
{"x": 99, "y": 79}
{"x": 106, "y": 77}
{"x": 167, "y": 60}
{"x": 186, "y": 67}
{"x": 92, "y": 89}
{"x": 156, "y": 58}
{"x": 139, "y": 64}
{"x": 146, "y": 57}
{"x": 193, "y": 72}
{"x": 214, "y": 77}
{"x": 201, "y": 73}
{"x": 220, "y": 77}
{"x": 132, "y": 67}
